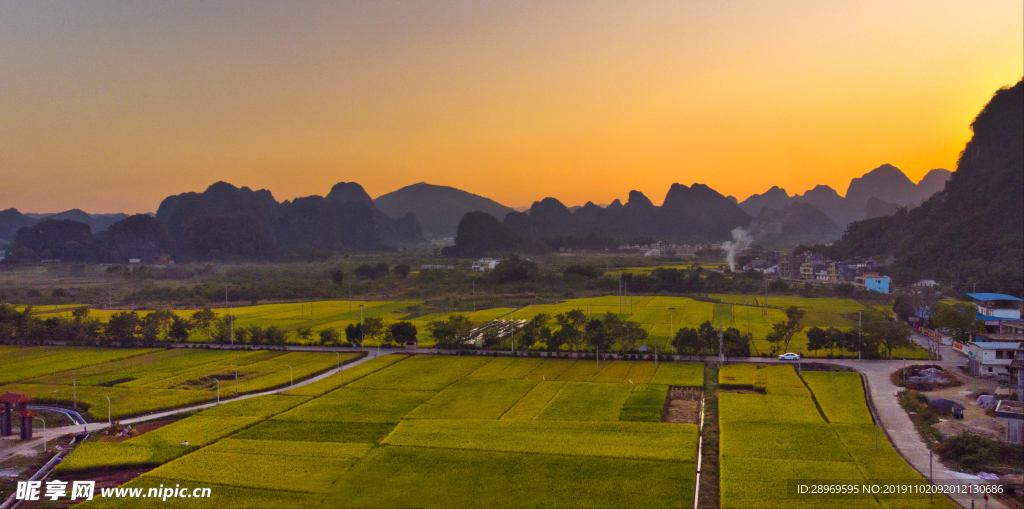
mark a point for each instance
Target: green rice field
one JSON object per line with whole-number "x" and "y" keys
{"x": 768, "y": 440}
{"x": 425, "y": 431}
{"x": 140, "y": 381}
{"x": 659, "y": 315}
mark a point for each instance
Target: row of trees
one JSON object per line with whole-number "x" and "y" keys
{"x": 877, "y": 333}
{"x": 574, "y": 330}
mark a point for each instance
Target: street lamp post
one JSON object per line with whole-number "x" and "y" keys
{"x": 291, "y": 375}
{"x": 218, "y": 390}
{"x": 44, "y": 432}
{"x": 110, "y": 422}
{"x": 236, "y": 374}
{"x": 339, "y": 360}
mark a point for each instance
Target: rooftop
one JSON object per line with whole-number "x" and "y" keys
{"x": 993, "y": 345}
{"x": 993, "y": 297}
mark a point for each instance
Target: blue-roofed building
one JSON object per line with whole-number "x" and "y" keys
{"x": 996, "y": 308}
{"x": 873, "y": 281}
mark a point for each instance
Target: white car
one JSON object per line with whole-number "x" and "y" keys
{"x": 789, "y": 357}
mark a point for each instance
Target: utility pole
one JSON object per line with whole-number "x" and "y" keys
{"x": 362, "y": 335}
{"x": 671, "y": 330}
{"x": 721, "y": 351}
{"x": 236, "y": 374}
{"x": 620, "y": 294}
{"x": 860, "y": 342}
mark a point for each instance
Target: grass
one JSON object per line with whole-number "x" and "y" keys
{"x": 421, "y": 372}
{"x": 427, "y": 477}
{"x": 262, "y": 471}
{"x": 358, "y": 405}
{"x": 684, "y": 374}
{"x": 263, "y": 406}
{"x": 533, "y": 402}
{"x": 221, "y": 496}
{"x": 156, "y": 447}
{"x": 579, "y": 401}
{"x": 301, "y": 431}
{"x": 637, "y": 440}
{"x": 283, "y": 448}
{"x": 645, "y": 403}
{"x": 473, "y": 399}
{"x": 849, "y": 405}
{"x": 36, "y": 361}
{"x": 770, "y": 441}
{"x": 350, "y": 374}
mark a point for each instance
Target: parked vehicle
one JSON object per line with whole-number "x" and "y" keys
{"x": 789, "y": 357}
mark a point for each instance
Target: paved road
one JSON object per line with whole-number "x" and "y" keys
{"x": 52, "y": 434}
{"x": 897, "y": 423}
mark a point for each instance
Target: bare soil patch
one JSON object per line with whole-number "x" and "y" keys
{"x": 135, "y": 431}
{"x": 925, "y": 378}
{"x": 682, "y": 406}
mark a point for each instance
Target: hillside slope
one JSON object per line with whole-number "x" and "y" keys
{"x": 971, "y": 232}
{"x": 438, "y": 208}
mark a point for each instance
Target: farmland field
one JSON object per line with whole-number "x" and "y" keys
{"x": 433, "y": 436}
{"x": 656, "y": 314}
{"x": 770, "y": 439}
{"x": 140, "y": 381}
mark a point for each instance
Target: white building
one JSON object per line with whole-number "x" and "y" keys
{"x": 926, "y": 283}
{"x": 484, "y": 265}
{"x": 989, "y": 358}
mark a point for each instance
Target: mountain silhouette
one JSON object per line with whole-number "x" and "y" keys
{"x": 885, "y": 183}
{"x": 971, "y": 232}
{"x": 438, "y": 208}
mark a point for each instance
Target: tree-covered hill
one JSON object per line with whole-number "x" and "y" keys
{"x": 971, "y": 232}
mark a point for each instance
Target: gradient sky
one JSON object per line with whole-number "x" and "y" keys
{"x": 111, "y": 106}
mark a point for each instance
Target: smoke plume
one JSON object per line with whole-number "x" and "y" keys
{"x": 740, "y": 240}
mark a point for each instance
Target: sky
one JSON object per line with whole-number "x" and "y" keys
{"x": 112, "y": 106}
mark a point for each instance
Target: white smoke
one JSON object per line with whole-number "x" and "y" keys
{"x": 740, "y": 240}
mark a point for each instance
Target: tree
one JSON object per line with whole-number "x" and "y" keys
{"x": 156, "y": 325}
{"x": 903, "y": 307}
{"x": 179, "y": 329}
{"x": 598, "y": 336}
{"x": 305, "y": 333}
{"x": 959, "y": 319}
{"x": 123, "y": 327}
{"x": 512, "y": 269}
{"x": 708, "y": 337}
{"x": 735, "y": 343}
{"x": 403, "y": 332}
{"x": 450, "y": 332}
{"x": 337, "y": 276}
{"x": 203, "y": 319}
{"x": 687, "y": 341}
{"x": 882, "y": 332}
{"x": 490, "y": 337}
{"x": 782, "y": 332}
{"x": 630, "y": 335}
{"x": 329, "y": 336}
{"x": 353, "y": 333}
{"x": 402, "y": 270}
{"x": 373, "y": 328}
{"x": 570, "y": 328}
{"x": 532, "y": 332}
{"x": 276, "y": 336}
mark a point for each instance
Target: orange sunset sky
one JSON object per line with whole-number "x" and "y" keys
{"x": 111, "y": 106}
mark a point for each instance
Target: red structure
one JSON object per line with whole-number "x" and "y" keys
{"x": 12, "y": 402}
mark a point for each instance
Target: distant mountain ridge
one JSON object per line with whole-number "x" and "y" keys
{"x": 694, "y": 213}
{"x": 438, "y": 208}
{"x": 885, "y": 183}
